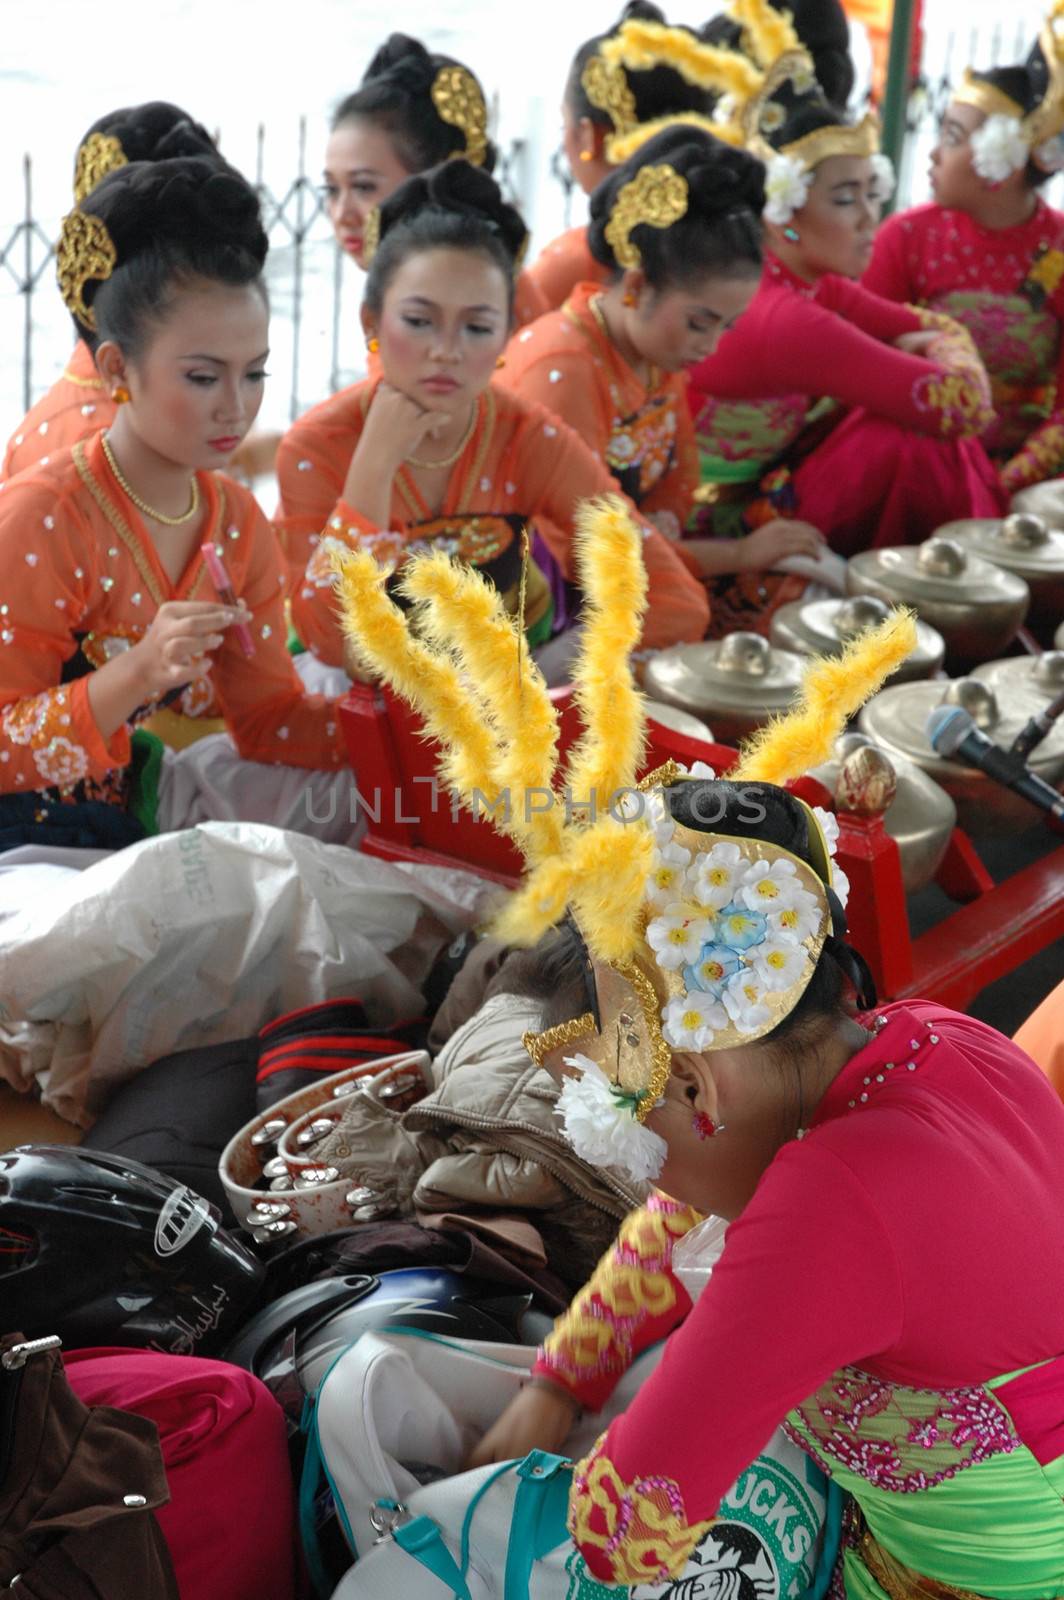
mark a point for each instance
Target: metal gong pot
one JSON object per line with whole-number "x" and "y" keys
{"x": 917, "y": 813}
{"x": 1043, "y": 674}
{"x": 679, "y": 721}
{"x": 976, "y": 606}
{"x": 823, "y": 627}
{"x": 738, "y": 682}
{"x": 1027, "y": 546}
{"x": 1045, "y": 500}
{"x": 897, "y": 720}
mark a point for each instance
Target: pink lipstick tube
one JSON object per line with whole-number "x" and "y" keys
{"x": 226, "y": 594}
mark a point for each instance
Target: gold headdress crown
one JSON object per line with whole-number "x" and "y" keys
{"x": 1045, "y": 121}
{"x": 605, "y": 84}
{"x": 656, "y": 197}
{"x": 747, "y": 80}
{"x": 100, "y": 154}
{"x": 85, "y": 252}
{"x": 697, "y": 939}
{"x": 457, "y": 96}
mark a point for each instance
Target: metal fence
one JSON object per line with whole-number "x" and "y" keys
{"x": 315, "y": 293}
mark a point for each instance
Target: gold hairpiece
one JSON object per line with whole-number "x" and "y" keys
{"x": 620, "y": 146}
{"x": 100, "y": 154}
{"x": 657, "y": 196}
{"x": 606, "y": 87}
{"x": 85, "y": 252}
{"x": 458, "y": 99}
{"x": 371, "y": 235}
{"x": 986, "y": 97}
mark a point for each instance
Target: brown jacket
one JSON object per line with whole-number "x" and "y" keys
{"x": 78, "y": 1491}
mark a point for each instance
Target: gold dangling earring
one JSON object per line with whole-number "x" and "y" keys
{"x": 628, "y": 298}
{"x": 121, "y": 395}
{"x": 373, "y": 345}
{"x": 585, "y": 155}
{"x": 500, "y": 361}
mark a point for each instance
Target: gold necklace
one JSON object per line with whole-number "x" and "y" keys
{"x": 594, "y": 305}
{"x": 142, "y": 505}
{"x": 449, "y": 461}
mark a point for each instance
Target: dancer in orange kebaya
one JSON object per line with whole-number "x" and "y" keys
{"x": 78, "y": 404}
{"x": 412, "y": 110}
{"x": 432, "y": 450}
{"x": 108, "y": 612}
{"x": 611, "y": 362}
{"x": 607, "y": 110}
{"x": 989, "y": 251}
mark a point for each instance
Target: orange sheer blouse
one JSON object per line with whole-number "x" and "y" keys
{"x": 520, "y": 466}
{"x": 645, "y": 436}
{"x": 76, "y": 405}
{"x": 83, "y": 582}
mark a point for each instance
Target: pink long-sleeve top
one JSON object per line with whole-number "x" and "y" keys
{"x": 916, "y": 1232}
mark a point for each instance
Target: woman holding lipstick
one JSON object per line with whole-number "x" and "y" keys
{"x": 109, "y": 610}
{"x": 411, "y": 111}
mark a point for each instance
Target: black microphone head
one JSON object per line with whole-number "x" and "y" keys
{"x": 947, "y": 728}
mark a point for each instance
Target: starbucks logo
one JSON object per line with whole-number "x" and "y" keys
{"x": 731, "y": 1563}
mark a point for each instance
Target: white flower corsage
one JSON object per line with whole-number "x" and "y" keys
{"x": 787, "y": 186}
{"x": 883, "y": 172}
{"x": 601, "y": 1125}
{"x": 690, "y": 1021}
{"x": 999, "y": 148}
{"x": 677, "y": 938}
{"x": 663, "y": 886}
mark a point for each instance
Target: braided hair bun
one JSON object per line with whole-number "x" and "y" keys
{"x": 453, "y": 206}
{"x": 397, "y": 95}
{"x": 720, "y": 234}
{"x": 171, "y": 222}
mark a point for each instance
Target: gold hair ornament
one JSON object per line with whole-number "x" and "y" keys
{"x": 986, "y": 97}
{"x": 100, "y": 154}
{"x": 371, "y": 235}
{"x": 1046, "y": 120}
{"x": 85, "y": 253}
{"x": 656, "y": 197}
{"x": 606, "y": 87}
{"x": 459, "y": 101}
{"x": 620, "y": 146}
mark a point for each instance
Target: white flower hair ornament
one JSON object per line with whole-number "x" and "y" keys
{"x": 688, "y": 938}
{"x": 787, "y": 185}
{"x": 999, "y": 148}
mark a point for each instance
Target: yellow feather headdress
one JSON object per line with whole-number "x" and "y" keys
{"x": 698, "y": 939}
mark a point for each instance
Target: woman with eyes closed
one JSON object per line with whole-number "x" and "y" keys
{"x": 109, "y": 610}
{"x": 412, "y": 111}
{"x": 432, "y": 450}
{"x": 905, "y": 393}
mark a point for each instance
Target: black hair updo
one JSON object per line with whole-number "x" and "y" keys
{"x": 721, "y": 233}
{"x": 1026, "y": 84}
{"x": 154, "y": 131}
{"x": 454, "y": 206}
{"x": 172, "y": 223}
{"x": 822, "y": 28}
{"x": 658, "y": 92}
{"x": 396, "y": 95}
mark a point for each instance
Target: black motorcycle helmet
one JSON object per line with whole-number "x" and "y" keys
{"x": 104, "y": 1251}
{"x": 291, "y": 1343}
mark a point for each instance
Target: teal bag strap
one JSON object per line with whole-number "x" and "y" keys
{"x": 539, "y": 1520}
{"x": 423, "y": 1540}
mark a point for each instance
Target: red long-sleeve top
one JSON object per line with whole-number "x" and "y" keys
{"x": 1006, "y": 286}
{"x": 799, "y": 341}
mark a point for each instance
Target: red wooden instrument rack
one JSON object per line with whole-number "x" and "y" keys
{"x": 994, "y": 930}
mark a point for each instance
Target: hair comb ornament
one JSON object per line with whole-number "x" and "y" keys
{"x": 604, "y": 82}
{"x": 85, "y": 253}
{"x": 459, "y": 102}
{"x": 100, "y": 154}
{"x": 1011, "y": 135}
{"x": 656, "y": 197}
{"x": 694, "y": 940}
{"x": 371, "y": 235}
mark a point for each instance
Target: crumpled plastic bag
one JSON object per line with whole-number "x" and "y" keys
{"x": 191, "y": 938}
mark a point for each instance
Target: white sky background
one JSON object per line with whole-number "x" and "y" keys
{"x": 236, "y": 63}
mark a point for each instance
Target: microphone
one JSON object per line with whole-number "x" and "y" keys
{"x": 953, "y": 733}
{"x": 1033, "y": 732}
